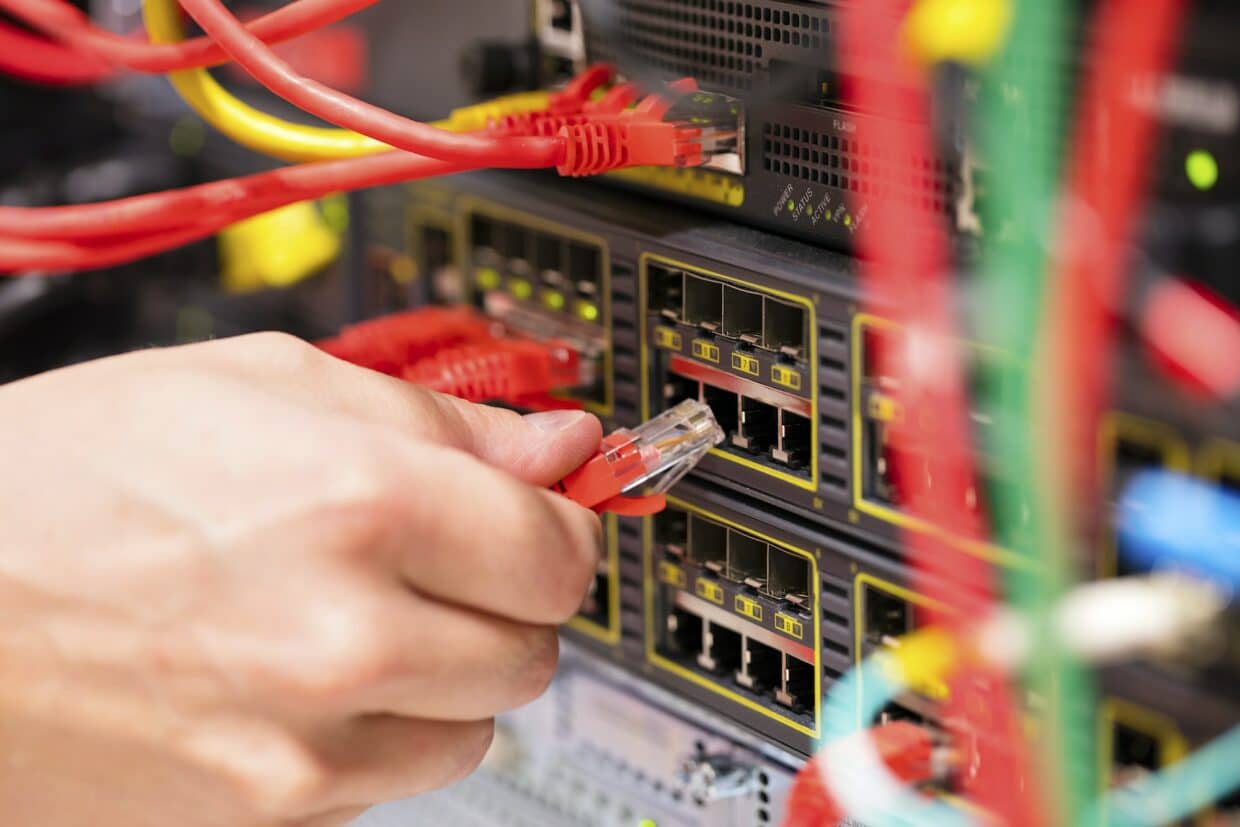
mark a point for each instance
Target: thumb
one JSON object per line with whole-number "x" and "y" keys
{"x": 538, "y": 448}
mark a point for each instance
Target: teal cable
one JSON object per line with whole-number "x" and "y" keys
{"x": 1021, "y": 132}
{"x": 1176, "y": 792}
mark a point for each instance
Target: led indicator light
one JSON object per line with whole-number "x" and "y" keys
{"x": 487, "y": 277}
{"x": 791, "y": 206}
{"x": 521, "y": 288}
{"x": 588, "y": 311}
{"x": 1202, "y": 169}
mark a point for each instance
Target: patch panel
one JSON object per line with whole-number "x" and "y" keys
{"x": 733, "y": 610}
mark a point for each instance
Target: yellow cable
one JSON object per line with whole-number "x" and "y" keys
{"x": 283, "y": 139}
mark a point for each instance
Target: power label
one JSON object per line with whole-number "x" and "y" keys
{"x": 703, "y": 349}
{"x": 667, "y": 338}
{"x": 786, "y": 376}
{"x": 709, "y": 590}
{"x": 745, "y": 364}
{"x": 749, "y": 608}
{"x": 790, "y": 626}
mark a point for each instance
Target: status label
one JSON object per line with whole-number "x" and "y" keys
{"x": 745, "y": 364}
{"x": 786, "y": 376}
{"x": 709, "y": 590}
{"x": 749, "y": 608}
{"x": 790, "y": 626}
{"x": 706, "y": 350}
{"x": 671, "y": 574}
{"x": 665, "y": 337}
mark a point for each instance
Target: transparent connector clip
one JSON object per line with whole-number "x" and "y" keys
{"x": 669, "y": 445}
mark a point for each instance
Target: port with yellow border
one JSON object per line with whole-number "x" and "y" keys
{"x": 543, "y": 279}
{"x": 734, "y": 611}
{"x": 744, "y": 349}
{"x": 599, "y": 617}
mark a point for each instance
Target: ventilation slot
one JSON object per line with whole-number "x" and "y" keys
{"x": 721, "y": 43}
{"x": 632, "y": 627}
{"x": 833, "y": 410}
{"x": 624, "y": 342}
{"x": 852, "y": 165}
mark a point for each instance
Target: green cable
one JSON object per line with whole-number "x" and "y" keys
{"x": 1022, "y": 114}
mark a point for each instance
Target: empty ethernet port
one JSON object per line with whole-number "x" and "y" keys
{"x": 793, "y": 446}
{"x": 724, "y": 405}
{"x": 679, "y": 388}
{"x": 798, "y": 688}
{"x": 742, "y": 314}
{"x": 708, "y": 543}
{"x": 788, "y": 576}
{"x": 1133, "y": 753}
{"x": 746, "y": 560}
{"x": 482, "y": 232}
{"x": 783, "y": 328}
{"x": 684, "y": 633}
{"x": 1131, "y": 457}
{"x": 666, "y": 292}
{"x": 760, "y": 667}
{"x": 703, "y": 302}
{"x": 585, "y": 268}
{"x": 887, "y": 617}
{"x": 434, "y": 247}
{"x": 721, "y": 651}
{"x": 549, "y": 260}
{"x": 514, "y": 247}
{"x": 561, "y": 15}
{"x": 671, "y": 531}
{"x": 758, "y": 423}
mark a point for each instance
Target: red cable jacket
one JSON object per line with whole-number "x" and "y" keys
{"x": 503, "y": 370}
{"x": 1194, "y": 337}
{"x": 33, "y": 58}
{"x": 61, "y": 20}
{"x": 906, "y": 749}
{"x": 1107, "y": 177}
{"x": 20, "y": 254}
{"x": 390, "y": 344}
{"x": 905, "y": 261}
{"x": 346, "y": 111}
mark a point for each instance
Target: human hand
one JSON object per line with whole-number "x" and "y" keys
{"x": 244, "y": 583}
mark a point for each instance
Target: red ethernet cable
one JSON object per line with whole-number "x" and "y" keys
{"x": 348, "y": 112}
{"x": 905, "y": 261}
{"x": 35, "y": 59}
{"x": 500, "y": 370}
{"x": 391, "y": 344}
{"x": 1107, "y": 178}
{"x": 64, "y": 22}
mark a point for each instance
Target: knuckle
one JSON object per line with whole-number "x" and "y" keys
{"x": 352, "y": 652}
{"x": 278, "y": 351}
{"x": 539, "y": 658}
{"x": 579, "y": 540}
{"x": 283, "y": 778}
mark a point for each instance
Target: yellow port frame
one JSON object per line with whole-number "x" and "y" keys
{"x": 660, "y": 662}
{"x": 985, "y": 551}
{"x": 469, "y": 205}
{"x": 609, "y": 634}
{"x": 643, "y": 278}
{"x": 419, "y": 216}
{"x": 1149, "y": 433}
{"x": 1172, "y": 744}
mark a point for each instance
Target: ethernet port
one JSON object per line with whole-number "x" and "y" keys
{"x": 679, "y": 388}
{"x": 561, "y": 16}
{"x": 788, "y": 575}
{"x": 798, "y": 688}
{"x": 783, "y": 328}
{"x": 708, "y": 543}
{"x": 760, "y": 667}
{"x": 585, "y": 268}
{"x": 514, "y": 247}
{"x": 703, "y": 302}
{"x": 887, "y": 617}
{"x": 684, "y": 633}
{"x": 1130, "y": 458}
{"x": 597, "y": 603}
{"x": 742, "y": 314}
{"x": 746, "y": 560}
{"x": 758, "y": 424}
{"x": 548, "y": 261}
{"x": 1133, "y": 750}
{"x": 721, "y": 652}
{"x": 666, "y": 292}
{"x": 793, "y": 448}
{"x": 671, "y": 531}
{"x": 483, "y": 232}
{"x": 724, "y": 405}
{"x": 434, "y": 246}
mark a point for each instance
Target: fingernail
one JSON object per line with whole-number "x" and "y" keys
{"x": 553, "y": 421}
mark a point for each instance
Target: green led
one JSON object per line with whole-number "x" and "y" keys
{"x": 792, "y": 205}
{"x": 588, "y": 311}
{"x": 487, "y": 278}
{"x": 553, "y": 299}
{"x": 1201, "y": 167}
{"x": 647, "y": 822}
{"x": 520, "y": 288}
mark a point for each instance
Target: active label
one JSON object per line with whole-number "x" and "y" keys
{"x": 667, "y": 338}
{"x": 709, "y": 590}
{"x": 671, "y": 574}
{"x": 786, "y": 376}
{"x": 703, "y": 349}
{"x": 745, "y": 363}
{"x": 790, "y": 626}
{"x": 749, "y": 608}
